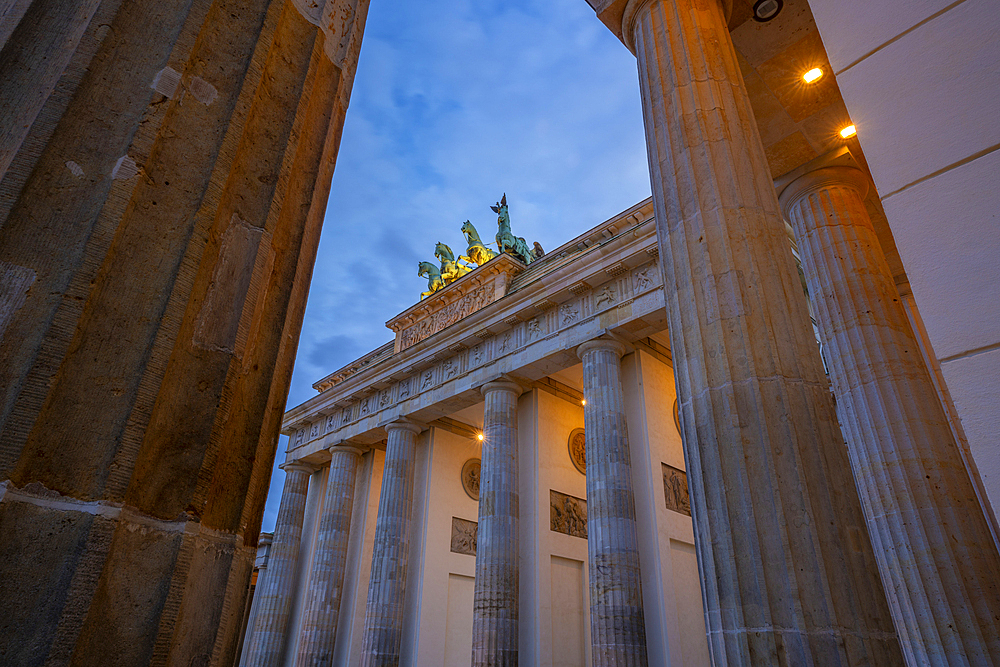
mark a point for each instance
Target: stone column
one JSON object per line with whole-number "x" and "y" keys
{"x": 788, "y": 574}
{"x": 387, "y": 587}
{"x": 319, "y": 628}
{"x": 252, "y": 603}
{"x": 617, "y": 622}
{"x": 157, "y": 158}
{"x": 495, "y": 606}
{"x": 933, "y": 544}
{"x": 267, "y": 639}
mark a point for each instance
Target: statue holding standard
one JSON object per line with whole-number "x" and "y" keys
{"x": 506, "y": 241}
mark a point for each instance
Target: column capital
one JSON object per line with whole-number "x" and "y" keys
{"x": 609, "y": 11}
{"x": 404, "y": 424}
{"x": 502, "y": 383}
{"x": 601, "y": 344}
{"x": 298, "y": 466}
{"x": 345, "y": 447}
{"x": 817, "y": 179}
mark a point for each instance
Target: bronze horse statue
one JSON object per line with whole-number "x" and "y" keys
{"x": 506, "y": 241}
{"x": 477, "y": 252}
{"x": 433, "y": 275}
{"x": 451, "y": 270}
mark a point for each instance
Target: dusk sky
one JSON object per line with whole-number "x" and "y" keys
{"x": 455, "y": 103}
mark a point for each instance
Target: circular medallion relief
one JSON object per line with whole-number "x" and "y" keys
{"x": 470, "y": 478}
{"x": 578, "y": 450}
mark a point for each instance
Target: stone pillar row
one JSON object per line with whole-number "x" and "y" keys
{"x": 788, "y": 574}
{"x": 617, "y": 620}
{"x": 933, "y": 543}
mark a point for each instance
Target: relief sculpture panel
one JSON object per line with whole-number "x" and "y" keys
{"x": 675, "y": 490}
{"x": 463, "y": 536}
{"x": 567, "y": 514}
{"x": 448, "y": 315}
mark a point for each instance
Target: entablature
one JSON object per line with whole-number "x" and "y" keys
{"x": 532, "y": 331}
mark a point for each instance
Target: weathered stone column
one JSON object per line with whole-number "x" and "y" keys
{"x": 387, "y": 587}
{"x": 495, "y": 606}
{"x": 617, "y": 622}
{"x": 788, "y": 575}
{"x": 933, "y": 544}
{"x": 157, "y": 158}
{"x": 267, "y": 639}
{"x": 319, "y": 628}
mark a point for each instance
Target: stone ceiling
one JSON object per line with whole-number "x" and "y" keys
{"x": 798, "y": 121}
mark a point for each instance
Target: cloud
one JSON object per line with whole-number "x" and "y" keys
{"x": 455, "y": 103}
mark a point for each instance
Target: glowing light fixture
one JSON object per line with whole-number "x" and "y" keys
{"x": 814, "y": 74}
{"x": 848, "y": 131}
{"x": 583, "y": 402}
{"x": 479, "y": 437}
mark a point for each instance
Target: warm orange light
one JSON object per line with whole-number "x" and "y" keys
{"x": 812, "y": 75}
{"x": 583, "y": 402}
{"x": 848, "y": 131}
{"x": 480, "y": 437}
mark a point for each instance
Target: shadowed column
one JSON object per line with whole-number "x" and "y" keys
{"x": 617, "y": 623}
{"x": 319, "y": 628}
{"x": 788, "y": 574}
{"x": 267, "y": 640}
{"x": 932, "y": 541}
{"x": 494, "y": 608}
{"x": 165, "y": 157}
{"x": 387, "y": 588}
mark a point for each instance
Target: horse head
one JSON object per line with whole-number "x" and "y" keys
{"x": 467, "y": 228}
{"x": 425, "y": 269}
{"x": 443, "y": 252}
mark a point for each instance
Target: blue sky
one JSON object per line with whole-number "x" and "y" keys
{"x": 455, "y": 103}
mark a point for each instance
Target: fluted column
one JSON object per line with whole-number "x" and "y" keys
{"x": 934, "y": 547}
{"x": 267, "y": 639}
{"x": 788, "y": 574}
{"x": 319, "y": 628}
{"x": 495, "y": 605}
{"x": 387, "y": 587}
{"x": 617, "y": 622}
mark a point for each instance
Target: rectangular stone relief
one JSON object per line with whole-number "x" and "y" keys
{"x": 675, "y": 490}
{"x": 644, "y": 278}
{"x": 463, "y": 536}
{"x": 567, "y": 514}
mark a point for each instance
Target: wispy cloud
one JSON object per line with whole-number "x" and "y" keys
{"x": 456, "y": 102}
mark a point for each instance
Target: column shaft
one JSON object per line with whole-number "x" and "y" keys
{"x": 788, "y": 574}
{"x": 933, "y": 544}
{"x": 319, "y": 629}
{"x": 617, "y": 622}
{"x": 495, "y": 606}
{"x": 267, "y": 638}
{"x": 387, "y": 587}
